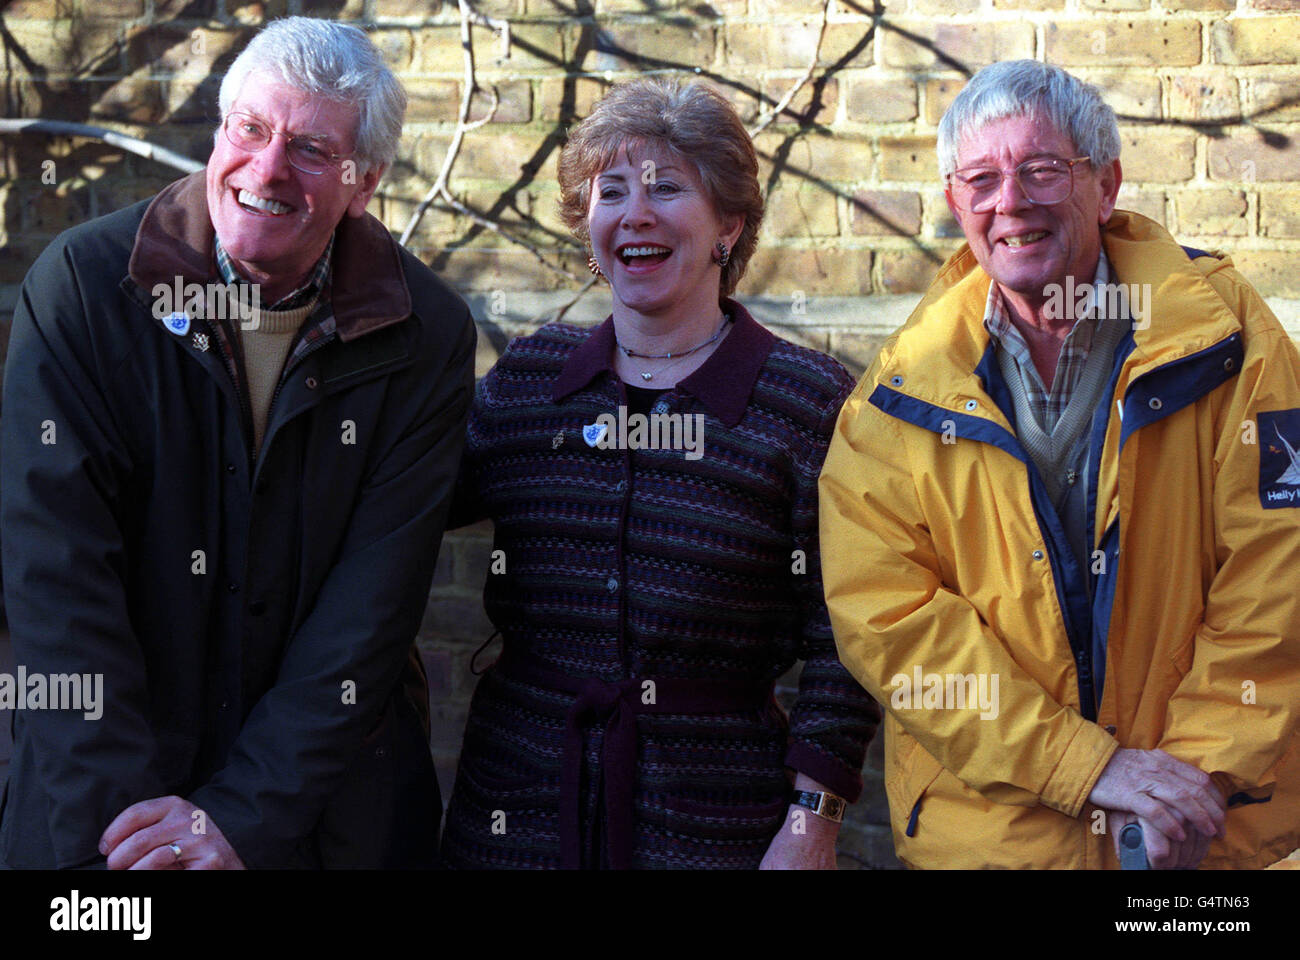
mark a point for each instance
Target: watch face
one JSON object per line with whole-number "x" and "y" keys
{"x": 832, "y": 807}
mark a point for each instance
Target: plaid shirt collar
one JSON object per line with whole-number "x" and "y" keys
{"x": 1049, "y": 404}
{"x": 316, "y": 281}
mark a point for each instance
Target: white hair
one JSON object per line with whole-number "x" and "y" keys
{"x": 1027, "y": 88}
{"x": 332, "y": 60}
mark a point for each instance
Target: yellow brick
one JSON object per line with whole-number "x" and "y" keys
{"x": 1151, "y": 205}
{"x": 349, "y": 10}
{"x": 911, "y": 270}
{"x": 514, "y": 102}
{"x": 395, "y": 45}
{"x": 1204, "y": 96}
{"x": 1279, "y": 212}
{"x": 1272, "y": 100}
{"x": 491, "y": 155}
{"x": 842, "y": 158}
{"x": 1172, "y": 5}
{"x": 438, "y": 50}
{"x": 135, "y": 99}
{"x": 790, "y": 44}
{"x": 569, "y": 98}
{"x": 888, "y": 213}
{"x": 1124, "y": 43}
{"x": 1164, "y": 156}
{"x": 432, "y": 101}
{"x": 834, "y": 272}
{"x": 1271, "y": 272}
{"x": 632, "y": 46}
{"x": 1028, "y": 4}
{"x": 973, "y": 44}
{"x": 1248, "y": 157}
{"x": 1270, "y": 40}
{"x": 499, "y": 8}
{"x": 946, "y": 8}
{"x": 1130, "y": 94}
{"x": 57, "y": 9}
{"x": 939, "y": 95}
{"x": 1212, "y": 213}
{"x": 802, "y": 108}
{"x": 507, "y": 269}
{"x": 1105, "y": 6}
{"x": 880, "y": 101}
{"x": 800, "y": 211}
{"x": 394, "y": 9}
{"x": 57, "y": 48}
{"x": 178, "y": 49}
{"x": 943, "y": 224}
{"x": 908, "y": 158}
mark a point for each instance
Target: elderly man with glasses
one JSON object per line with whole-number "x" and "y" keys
{"x": 233, "y": 419}
{"x": 1060, "y": 520}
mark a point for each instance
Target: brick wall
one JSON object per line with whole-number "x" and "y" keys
{"x": 1208, "y": 94}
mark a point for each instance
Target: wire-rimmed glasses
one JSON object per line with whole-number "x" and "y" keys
{"x": 1043, "y": 181}
{"x": 308, "y": 154}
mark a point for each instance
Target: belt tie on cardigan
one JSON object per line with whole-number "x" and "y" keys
{"x": 616, "y": 704}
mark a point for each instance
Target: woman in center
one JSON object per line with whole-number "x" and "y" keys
{"x": 653, "y": 486}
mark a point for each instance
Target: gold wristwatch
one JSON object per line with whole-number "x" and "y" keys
{"x": 823, "y": 803}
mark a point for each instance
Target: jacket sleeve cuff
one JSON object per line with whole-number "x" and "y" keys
{"x": 827, "y": 770}
{"x": 1079, "y": 768}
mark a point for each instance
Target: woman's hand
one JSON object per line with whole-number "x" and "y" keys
{"x": 805, "y": 841}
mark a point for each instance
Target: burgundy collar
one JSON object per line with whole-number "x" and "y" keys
{"x": 722, "y": 383}
{"x": 368, "y": 289}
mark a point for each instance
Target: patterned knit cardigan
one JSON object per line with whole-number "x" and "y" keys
{"x": 647, "y": 599}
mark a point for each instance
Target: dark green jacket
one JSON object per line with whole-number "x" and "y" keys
{"x": 274, "y": 684}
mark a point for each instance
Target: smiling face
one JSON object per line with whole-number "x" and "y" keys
{"x": 1023, "y": 246}
{"x": 653, "y": 230}
{"x": 273, "y": 219}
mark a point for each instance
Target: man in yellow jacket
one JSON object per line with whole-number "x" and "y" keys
{"x": 1060, "y": 520}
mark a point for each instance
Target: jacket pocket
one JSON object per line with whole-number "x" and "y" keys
{"x": 908, "y": 779}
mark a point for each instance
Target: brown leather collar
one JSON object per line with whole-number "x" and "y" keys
{"x": 368, "y": 290}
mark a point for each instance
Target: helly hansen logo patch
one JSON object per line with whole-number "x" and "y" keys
{"x": 1279, "y": 459}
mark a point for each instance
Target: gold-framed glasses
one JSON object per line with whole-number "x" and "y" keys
{"x": 1043, "y": 180}
{"x": 308, "y": 154}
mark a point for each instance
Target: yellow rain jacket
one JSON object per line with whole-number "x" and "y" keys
{"x": 944, "y": 562}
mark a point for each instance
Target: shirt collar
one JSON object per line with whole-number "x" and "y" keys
{"x": 997, "y": 319}
{"x": 316, "y": 280}
{"x": 723, "y": 382}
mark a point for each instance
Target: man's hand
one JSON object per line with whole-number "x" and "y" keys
{"x": 1163, "y": 853}
{"x": 1178, "y": 806}
{"x": 805, "y": 841}
{"x": 146, "y": 836}
{"x": 811, "y": 849}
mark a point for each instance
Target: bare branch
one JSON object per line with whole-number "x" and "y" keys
{"x": 784, "y": 102}
{"x": 141, "y": 148}
{"x": 496, "y": 228}
{"x": 559, "y": 314}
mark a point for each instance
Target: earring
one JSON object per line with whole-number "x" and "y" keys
{"x": 593, "y": 266}
{"x": 724, "y": 255}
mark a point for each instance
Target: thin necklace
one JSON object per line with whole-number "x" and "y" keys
{"x": 679, "y": 355}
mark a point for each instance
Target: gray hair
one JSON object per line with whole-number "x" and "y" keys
{"x": 1027, "y": 88}
{"x": 332, "y": 60}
